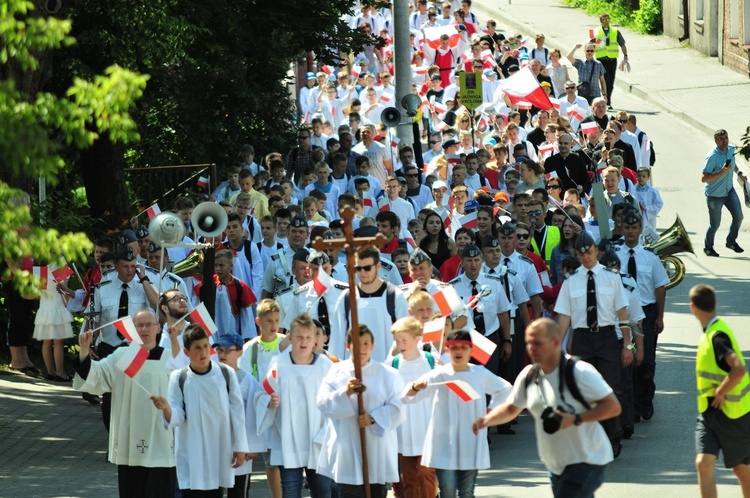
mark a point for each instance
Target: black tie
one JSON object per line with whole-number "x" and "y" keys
{"x": 122, "y": 310}
{"x": 506, "y": 264}
{"x": 591, "y": 317}
{"x": 477, "y": 315}
{"x": 491, "y": 272}
{"x": 631, "y": 266}
{"x": 323, "y": 316}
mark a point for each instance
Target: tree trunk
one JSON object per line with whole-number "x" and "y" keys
{"x": 102, "y": 167}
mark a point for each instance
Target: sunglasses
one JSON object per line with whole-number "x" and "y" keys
{"x": 433, "y": 143}
{"x": 535, "y": 213}
{"x": 364, "y": 268}
{"x": 589, "y": 51}
{"x": 553, "y": 187}
{"x": 302, "y": 138}
{"x": 523, "y": 236}
{"x": 412, "y": 175}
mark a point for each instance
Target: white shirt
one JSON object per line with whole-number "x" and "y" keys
{"x": 411, "y": 433}
{"x": 651, "y": 273}
{"x": 610, "y": 296}
{"x": 377, "y": 154}
{"x": 491, "y": 305}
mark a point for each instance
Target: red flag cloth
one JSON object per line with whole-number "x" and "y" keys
{"x": 410, "y": 241}
{"x": 463, "y": 390}
{"x": 203, "y": 181}
{"x": 395, "y": 140}
{"x": 447, "y": 301}
{"x": 270, "y": 382}
{"x": 321, "y": 282}
{"x": 523, "y": 86}
{"x": 544, "y": 148}
{"x": 524, "y": 105}
{"x": 469, "y": 220}
{"x": 555, "y": 103}
{"x": 432, "y": 35}
{"x": 481, "y": 347}
{"x": 440, "y": 108}
{"x": 153, "y": 211}
{"x": 453, "y": 158}
{"x": 433, "y": 330}
{"x": 589, "y": 128}
{"x": 201, "y": 317}
{"x": 592, "y": 34}
{"x": 384, "y": 204}
{"x": 60, "y": 274}
{"x": 575, "y": 112}
{"x": 327, "y": 69}
{"x": 126, "y": 327}
{"x": 133, "y": 359}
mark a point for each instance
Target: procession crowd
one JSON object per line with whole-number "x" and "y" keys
{"x": 523, "y": 235}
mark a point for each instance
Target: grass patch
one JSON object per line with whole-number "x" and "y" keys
{"x": 646, "y": 19}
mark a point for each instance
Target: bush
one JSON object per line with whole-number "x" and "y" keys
{"x": 647, "y": 19}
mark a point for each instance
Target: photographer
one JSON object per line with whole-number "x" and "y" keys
{"x": 572, "y": 446}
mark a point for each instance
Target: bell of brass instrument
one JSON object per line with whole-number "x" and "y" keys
{"x": 190, "y": 266}
{"x": 673, "y": 240}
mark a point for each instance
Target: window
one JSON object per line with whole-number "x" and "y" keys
{"x": 745, "y": 23}
{"x": 699, "y": 7}
{"x": 734, "y": 17}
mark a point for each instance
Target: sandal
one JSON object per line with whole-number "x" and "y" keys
{"x": 67, "y": 378}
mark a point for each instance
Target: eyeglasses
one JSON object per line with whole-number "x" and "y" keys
{"x": 364, "y": 268}
{"x": 523, "y": 236}
{"x": 412, "y": 175}
{"x": 178, "y": 299}
{"x": 570, "y": 88}
{"x": 464, "y": 120}
{"x": 434, "y": 142}
{"x": 221, "y": 350}
{"x": 302, "y": 137}
{"x": 535, "y": 213}
{"x": 553, "y": 187}
{"x": 622, "y": 121}
{"x": 589, "y": 51}
{"x": 144, "y": 325}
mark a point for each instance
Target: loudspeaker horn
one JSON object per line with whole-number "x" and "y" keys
{"x": 390, "y": 117}
{"x": 411, "y": 103}
{"x": 166, "y": 228}
{"x": 209, "y": 219}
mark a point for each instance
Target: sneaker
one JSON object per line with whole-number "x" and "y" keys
{"x": 709, "y": 251}
{"x": 735, "y": 247}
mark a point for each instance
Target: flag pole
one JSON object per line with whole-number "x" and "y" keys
{"x": 140, "y": 385}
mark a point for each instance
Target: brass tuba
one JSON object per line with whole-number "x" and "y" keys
{"x": 673, "y": 240}
{"x": 190, "y": 266}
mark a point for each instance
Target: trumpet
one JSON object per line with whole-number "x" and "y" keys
{"x": 673, "y": 240}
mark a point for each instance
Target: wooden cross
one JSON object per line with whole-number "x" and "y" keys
{"x": 350, "y": 245}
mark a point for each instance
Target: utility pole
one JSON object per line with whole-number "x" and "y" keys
{"x": 402, "y": 61}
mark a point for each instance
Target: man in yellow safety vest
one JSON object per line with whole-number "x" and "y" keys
{"x": 608, "y": 42}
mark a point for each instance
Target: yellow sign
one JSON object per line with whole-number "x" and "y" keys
{"x": 471, "y": 89}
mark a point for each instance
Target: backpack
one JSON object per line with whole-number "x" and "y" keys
{"x": 567, "y": 364}
{"x": 546, "y": 54}
{"x": 430, "y": 359}
{"x": 652, "y": 157}
{"x": 390, "y": 303}
{"x": 183, "y": 376}
{"x": 247, "y": 244}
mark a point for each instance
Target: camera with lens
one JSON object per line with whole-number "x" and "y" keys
{"x": 551, "y": 421}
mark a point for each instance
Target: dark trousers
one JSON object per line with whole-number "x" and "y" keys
{"x": 610, "y": 66}
{"x": 352, "y": 491}
{"x": 579, "y": 480}
{"x": 200, "y": 493}
{"x": 626, "y": 396}
{"x": 241, "y": 488}
{"x": 146, "y": 482}
{"x": 103, "y": 350}
{"x": 643, "y": 377}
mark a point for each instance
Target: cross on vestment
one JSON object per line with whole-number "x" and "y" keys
{"x": 142, "y": 446}
{"x": 350, "y": 245}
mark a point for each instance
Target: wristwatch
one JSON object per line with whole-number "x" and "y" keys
{"x": 144, "y": 279}
{"x": 372, "y": 420}
{"x": 630, "y": 347}
{"x": 578, "y": 420}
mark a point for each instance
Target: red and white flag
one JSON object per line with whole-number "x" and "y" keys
{"x": 469, "y": 220}
{"x": 395, "y": 141}
{"x": 322, "y": 282}
{"x": 589, "y": 128}
{"x": 481, "y": 347}
{"x": 271, "y": 382}
{"x": 41, "y": 272}
{"x": 524, "y": 87}
{"x": 410, "y": 240}
{"x": 524, "y": 41}
{"x": 133, "y": 359}
{"x": 367, "y": 201}
{"x": 355, "y": 71}
{"x": 448, "y": 223}
{"x": 126, "y": 327}
{"x": 483, "y": 121}
{"x": 592, "y": 34}
{"x": 433, "y": 330}
{"x": 453, "y": 158}
{"x": 384, "y": 204}
{"x": 61, "y": 273}
{"x": 555, "y": 103}
{"x": 576, "y": 112}
{"x": 463, "y": 390}
{"x": 546, "y": 148}
{"x": 386, "y": 97}
{"x": 647, "y": 146}
{"x": 432, "y": 35}
{"x": 200, "y": 316}
{"x": 202, "y": 181}
{"x": 440, "y": 108}
{"x": 448, "y": 301}
{"x": 488, "y": 58}
{"x": 524, "y": 105}
{"x": 153, "y": 211}
{"x": 419, "y": 70}
{"x": 327, "y": 69}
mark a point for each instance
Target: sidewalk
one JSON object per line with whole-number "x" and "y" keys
{"x": 676, "y": 79}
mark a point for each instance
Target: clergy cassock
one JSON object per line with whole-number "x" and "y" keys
{"x": 256, "y": 443}
{"x": 416, "y": 414}
{"x": 136, "y": 437}
{"x": 209, "y": 426}
{"x": 341, "y": 455}
{"x": 458, "y": 448}
{"x": 296, "y": 425}
{"x": 230, "y": 318}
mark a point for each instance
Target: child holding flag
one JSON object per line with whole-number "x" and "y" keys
{"x": 459, "y": 390}
{"x": 52, "y": 324}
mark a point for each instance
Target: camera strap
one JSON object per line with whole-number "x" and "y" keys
{"x": 566, "y": 373}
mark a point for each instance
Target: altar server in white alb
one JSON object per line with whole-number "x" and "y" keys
{"x": 341, "y": 456}
{"x": 286, "y": 405}
{"x": 204, "y": 405}
{"x": 138, "y": 443}
{"x": 450, "y": 445}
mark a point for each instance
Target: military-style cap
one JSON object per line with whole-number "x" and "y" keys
{"x": 142, "y": 232}
{"x": 449, "y": 142}
{"x": 127, "y": 236}
{"x": 301, "y": 255}
{"x": 418, "y": 257}
{"x": 318, "y": 258}
{"x": 490, "y": 241}
{"x": 153, "y": 247}
{"x": 507, "y": 229}
{"x": 299, "y": 221}
{"x": 366, "y": 231}
{"x": 584, "y": 242}
{"x": 471, "y": 205}
{"x": 328, "y": 235}
{"x": 470, "y": 250}
{"x": 609, "y": 257}
{"x": 631, "y": 217}
{"x": 125, "y": 254}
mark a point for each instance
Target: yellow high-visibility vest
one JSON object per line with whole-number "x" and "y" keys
{"x": 612, "y": 50}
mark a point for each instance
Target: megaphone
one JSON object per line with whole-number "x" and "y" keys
{"x": 166, "y": 228}
{"x": 411, "y": 103}
{"x": 390, "y": 117}
{"x": 209, "y": 219}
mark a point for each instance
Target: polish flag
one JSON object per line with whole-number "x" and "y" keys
{"x": 463, "y": 390}
{"x": 133, "y": 359}
{"x": 447, "y": 301}
{"x": 440, "y": 108}
{"x": 481, "y": 347}
{"x": 367, "y": 201}
{"x": 202, "y": 181}
{"x": 433, "y": 330}
{"x": 271, "y": 382}
{"x": 419, "y": 70}
{"x": 546, "y": 148}
{"x": 461, "y": 110}
{"x": 322, "y": 282}
{"x": 60, "y": 274}
{"x": 411, "y": 242}
{"x": 355, "y": 71}
{"x": 451, "y": 203}
{"x": 153, "y": 211}
{"x": 488, "y": 58}
{"x": 386, "y": 97}
{"x": 589, "y": 128}
{"x": 555, "y": 103}
{"x": 524, "y": 105}
{"x": 41, "y": 272}
{"x": 466, "y": 58}
{"x": 425, "y": 102}
{"x": 327, "y": 69}
{"x": 483, "y": 121}
{"x": 438, "y": 126}
{"x": 647, "y": 146}
{"x": 473, "y": 301}
{"x": 524, "y": 41}
{"x": 484, "y": 29}
{"x": 524, "y": 87}
{"x": 592, "y": 34}
{"x": 432, "y": 35}
{"x": 384, "y": 204}
{"x": 469, "y": 220}
{"x": 200, "y": 316}
{"x": 126, "y": 327}
{"x": 447, "y": 223}
{"x": 453, "y": 158}
{"x": 576, "y": 112}
{"x": 395, "y": 141}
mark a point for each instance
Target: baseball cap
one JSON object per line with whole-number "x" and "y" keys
{"x": 227, "y": 340}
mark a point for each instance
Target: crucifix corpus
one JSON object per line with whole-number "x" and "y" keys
{"x": 350, "y": 245}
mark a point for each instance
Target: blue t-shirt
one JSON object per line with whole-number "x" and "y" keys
{"x": 715, "y": 160}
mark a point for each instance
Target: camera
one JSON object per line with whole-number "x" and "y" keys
{"x": 551, "y": 421}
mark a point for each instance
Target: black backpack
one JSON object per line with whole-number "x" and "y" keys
{"x": 652, "y": 158}
{"x": 567, "y": 365}
{"x": 390, "y": 303}
{"x": 183, "y": 376}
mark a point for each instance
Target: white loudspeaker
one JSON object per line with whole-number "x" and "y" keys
{"x": 209, "y": 219}
{"x": 166, "y": 228}
{"x": 411, "y": 103}
{"x": 390, "y": 117}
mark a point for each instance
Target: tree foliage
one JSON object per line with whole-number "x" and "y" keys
{"x": 38, "y": 127}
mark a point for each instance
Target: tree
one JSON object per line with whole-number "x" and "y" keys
{"x": 38, "y": 127}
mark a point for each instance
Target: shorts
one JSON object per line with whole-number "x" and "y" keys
{"x": 267, "y": 460}
{"x": 715, "y": 431}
